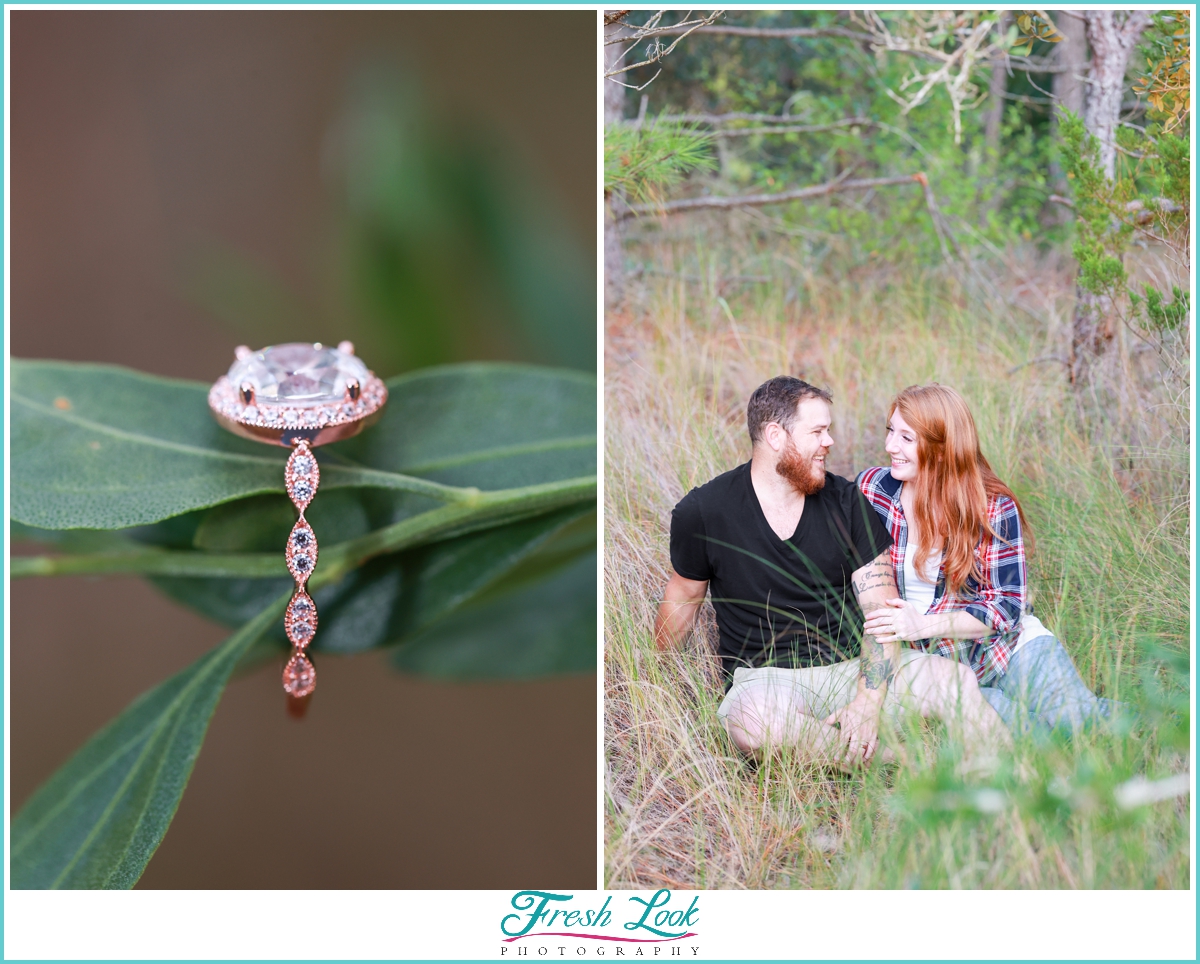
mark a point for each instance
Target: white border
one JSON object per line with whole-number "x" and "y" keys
{"x": 811, "y": 925}
{"x": 599, "y": 452}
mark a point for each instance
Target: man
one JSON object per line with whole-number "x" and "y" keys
{"x": 794, "y": 556}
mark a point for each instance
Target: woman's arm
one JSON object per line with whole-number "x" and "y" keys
{"x": 902, "y": 621}
{"x": 999, "y": 598}
{"x": 994, "y": 604}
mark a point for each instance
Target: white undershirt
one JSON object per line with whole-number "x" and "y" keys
{"x": 920, "y": 592}
{"x": 917, "y": 589}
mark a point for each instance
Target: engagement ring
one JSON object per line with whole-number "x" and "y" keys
{"x": 299, "y": 396}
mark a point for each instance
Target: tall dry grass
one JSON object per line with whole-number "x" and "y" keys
{"x": 1102, "y": 474}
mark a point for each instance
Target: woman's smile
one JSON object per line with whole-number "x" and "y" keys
{"x": 901, "y": 445}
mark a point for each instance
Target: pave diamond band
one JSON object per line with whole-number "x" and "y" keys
{"x": 298, "y": 395}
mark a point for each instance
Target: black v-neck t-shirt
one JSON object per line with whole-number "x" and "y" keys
{"x": 778, "y": 602}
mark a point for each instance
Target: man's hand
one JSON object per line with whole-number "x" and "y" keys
{"x": 897, "y": 620}
{"x": 677, "y": 612}
{"x": 858, "y": 721}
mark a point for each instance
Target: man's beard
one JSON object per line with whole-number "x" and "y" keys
{"x": 798, "y": 470}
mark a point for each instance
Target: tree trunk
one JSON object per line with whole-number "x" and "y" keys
{"x": 1071, "y": 51}
{"x": 997, "y": 88}
{"x": 614, "y": 113}
{"x": 993, "y": 120}
{"x": 1112, "y": 34}
{"x": 1068, "y": 91}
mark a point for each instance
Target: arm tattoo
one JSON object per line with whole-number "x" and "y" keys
{"x": 878, "y": 576}
{"x": 875, "y": 664}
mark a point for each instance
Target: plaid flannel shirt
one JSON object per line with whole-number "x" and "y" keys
{"x": 997, "y": 599}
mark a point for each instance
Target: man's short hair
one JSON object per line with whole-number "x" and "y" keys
{"x": 777, "y": 401}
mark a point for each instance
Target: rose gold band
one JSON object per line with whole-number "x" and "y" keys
{"x": 302, "y": 416}
{"x": 302, "y": 476}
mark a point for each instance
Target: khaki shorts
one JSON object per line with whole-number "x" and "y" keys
{"x": 814, "y": 690}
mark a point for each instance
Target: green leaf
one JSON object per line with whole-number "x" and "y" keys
{"x": 101, "y": 447}
{"x": 395, "y": 596}
{"x": 228, "y": 601}
{"x": 98, "y": 820}
{"x": 483, "y": 425}
{"x": 545, "y": 628}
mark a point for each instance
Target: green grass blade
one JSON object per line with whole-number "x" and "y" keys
{"x": 98, "y": 820}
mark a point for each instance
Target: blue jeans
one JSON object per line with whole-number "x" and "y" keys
{"x": 1043, "y": 687}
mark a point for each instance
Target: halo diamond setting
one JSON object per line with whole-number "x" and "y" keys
{"x": 298, "y": 395}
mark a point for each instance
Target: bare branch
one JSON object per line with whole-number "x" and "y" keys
{"x": 939, "y": 225}
{"x": 783, "y": 33}
{"x": 651, "y": 29}
{"x": 954, "y": 74}
{"x": 725, "y": 118}
{"x": 655, "y": 51}
{"x": 1043, "y": 65}
{"x": 1037, "y": 65}
{"x": 632, "y": 87}
{"x": 835, "y": 186}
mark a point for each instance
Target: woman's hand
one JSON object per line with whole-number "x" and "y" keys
{"x": 899, "y": 621}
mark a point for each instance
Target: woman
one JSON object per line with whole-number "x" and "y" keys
{"x": 964, "y": 596}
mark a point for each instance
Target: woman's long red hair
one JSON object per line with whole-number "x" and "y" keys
{"x": 954, "y": 483}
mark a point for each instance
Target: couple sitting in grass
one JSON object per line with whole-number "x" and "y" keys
{"x": 839, "y": 604}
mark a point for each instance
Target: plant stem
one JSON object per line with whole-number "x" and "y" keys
{"x": 475, "y": 510}
{"x": 487, "y": 510}
{"x": 151, "y": 561}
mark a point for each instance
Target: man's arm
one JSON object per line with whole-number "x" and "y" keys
{"x": 874, "y": 584}
{"x": 677, "y": 612}
{"x": 858, "y": 720}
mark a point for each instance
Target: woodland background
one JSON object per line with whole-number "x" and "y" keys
{"x": 996, "y": 201}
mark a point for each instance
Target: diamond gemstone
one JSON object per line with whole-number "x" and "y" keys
{"x": 302, "y": 465}
{"x": 298, "y": 372}
{"x": 301, "y": 630}
{"x": 301, "y": 608}
{"x": 302, "y": 490}
{"x": 299, "y": 677}
{"x": 302, "y": 563}
{"x": 302, "y": 539}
